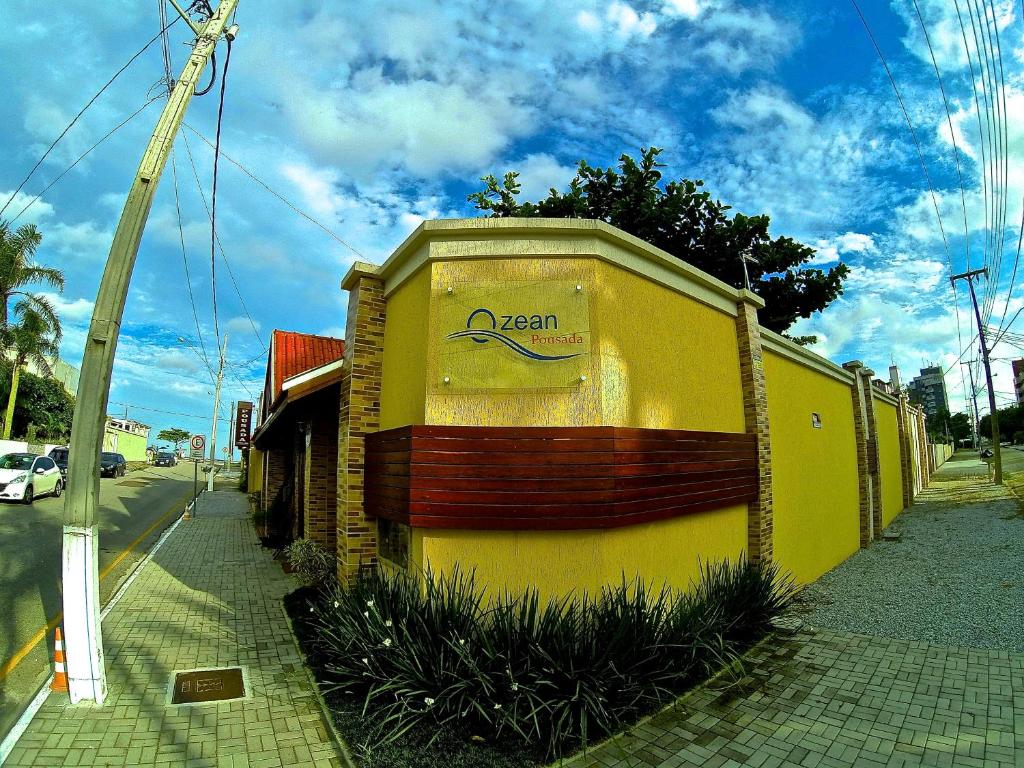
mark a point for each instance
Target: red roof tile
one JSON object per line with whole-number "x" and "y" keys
{"x": 294, "y": 353}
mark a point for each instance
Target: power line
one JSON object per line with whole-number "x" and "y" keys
{"x": 910, "y": 125}
{"x": 276, "y": 194}
{"x": 184, "y": 259}
{"x": 82, "y": 112}
{"x": 223, "y": 253}
{"x": 213, "y": 191}
{"x": 159, "y": 410}
{"x": 85, "y": 154}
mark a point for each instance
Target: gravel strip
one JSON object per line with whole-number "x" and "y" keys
{"x": 955, "y": 576}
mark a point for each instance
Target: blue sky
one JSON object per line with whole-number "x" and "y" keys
{"x": 373, "y": 116}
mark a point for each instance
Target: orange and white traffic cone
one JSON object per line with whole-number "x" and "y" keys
{"x": 60, "y": 675}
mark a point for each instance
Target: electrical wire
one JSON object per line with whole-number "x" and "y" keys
{"x": 171, "y": 413}
{"x": 85, "y": 154}
{"x": 910, "y": 125}
{"x": 213, "y": 192}
{"x": 276, "y": 194}
{"x": 223, "y": 253}
{"x": 184, "y": 259}
{"x": 82, "y": 111}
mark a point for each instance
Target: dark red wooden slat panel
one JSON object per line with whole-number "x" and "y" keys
{"x": 553, "y": 478}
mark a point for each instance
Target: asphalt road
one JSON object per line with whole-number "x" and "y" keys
{"x": 134, "y": 511}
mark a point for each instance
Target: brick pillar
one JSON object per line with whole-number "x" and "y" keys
{"x": 907, "y": 466}
{"x": 874, "y": 468}
{"x": 321, "y": 518}
{"x": 923, "y": 459}
{"x": 755, "y": 413}
{"x": 358, "y": 414}
{"x": 273, "y": 476}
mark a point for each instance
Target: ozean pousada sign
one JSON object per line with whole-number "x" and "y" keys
{"x": 513, "y": 336}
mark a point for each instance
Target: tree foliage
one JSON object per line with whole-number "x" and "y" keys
{"x": 41, "y": 402}
{"x": 683, "y": 219}
{"x": 18, "y": 272}
{"x": 174, "y": 435}
{"x": 34, "y": 339}
{"x": 1011, "y": 421}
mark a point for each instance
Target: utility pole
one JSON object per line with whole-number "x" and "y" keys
{"x": 82, "y": 637}
{"x": 216, "y": 407}
{"x": 997, "y": 458}
{"x": 974, "y": 398}
{"x": 230, "y": 447}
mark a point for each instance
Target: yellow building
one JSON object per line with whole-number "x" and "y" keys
{"x": 558, "y": 403}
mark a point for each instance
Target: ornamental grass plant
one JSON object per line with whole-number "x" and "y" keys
{"x": 550, "y": 675}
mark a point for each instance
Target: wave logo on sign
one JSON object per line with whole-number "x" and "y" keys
{"x": 490, "y": 326}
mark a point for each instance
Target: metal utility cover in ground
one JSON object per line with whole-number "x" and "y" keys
{"x": 201, "y": 686}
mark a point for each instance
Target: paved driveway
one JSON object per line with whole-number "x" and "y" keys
{"x": 917, "y": 657}
{"x": 823, "y": 698}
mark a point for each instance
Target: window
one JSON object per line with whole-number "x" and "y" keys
{"x": 45, "y": 463}
{"x": 22, "y": 461}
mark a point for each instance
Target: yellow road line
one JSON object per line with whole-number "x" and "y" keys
{"x": 8, "y": 666}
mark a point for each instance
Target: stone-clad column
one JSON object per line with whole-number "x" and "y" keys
{"x": 755, "y": 411}
{"x": 867, "y": 452}
{"x": 906, "y": 464}
{"x": 359, "y": 414}
{"x": 874, "y": 468}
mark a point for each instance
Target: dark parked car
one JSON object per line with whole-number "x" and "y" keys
{"x": 60, "y": 458}
{"x": 112, "y": 465}
{"x": 165, "y": 459}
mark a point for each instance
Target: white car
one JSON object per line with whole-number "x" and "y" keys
{"x": 25, "y": 476}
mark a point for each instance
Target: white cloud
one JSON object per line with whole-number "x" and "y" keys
{"x": 75, "y": 310}
{"x": 689, "y": 9}
{"x": 39, "y": 210}
{"x": 239, "y": 325}
{"x": 628, "y": 23}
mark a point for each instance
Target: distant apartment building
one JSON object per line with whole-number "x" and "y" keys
{"x": 1018, "y": 379}
{"x": 929, "y": 390}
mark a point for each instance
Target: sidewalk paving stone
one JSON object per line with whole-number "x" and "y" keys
{"x": 210, "y": 597}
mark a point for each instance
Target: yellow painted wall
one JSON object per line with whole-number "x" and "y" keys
{"x": 889, "y": 461}
{"x": 403, "y": 374}
{"x": 559, "y": 562}
{"x": 814, "y": 471}
{"x": 255, "y": 470}
{"x": 131, "y": 446}
{"x": 658, "y": 359}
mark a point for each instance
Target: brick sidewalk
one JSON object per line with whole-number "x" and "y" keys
{"x": 210, "y": 597}
{"x": 840, "y": 700}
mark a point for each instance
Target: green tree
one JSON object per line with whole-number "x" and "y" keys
{"x": 174, "y": 435}
{"x": 18, "y": 271}
{"x": 1011, "y": 420}
{"x": 937, "y": 426}
{"x": 681, "y": 218}
{"x": 42, "y": 403}
{"x": 33, "y": 339}
{"x": 960, "y": 427}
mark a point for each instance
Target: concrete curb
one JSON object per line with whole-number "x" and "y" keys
{"x": 325, "y": 711}
{"x": 11, "y": 739}
{"x": 582, "y": 754}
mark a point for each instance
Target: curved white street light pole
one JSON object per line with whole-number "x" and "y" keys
{"x": 82, "y": 637}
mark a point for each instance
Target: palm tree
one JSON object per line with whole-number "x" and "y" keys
{"x": 17, "y": 247}
{"x": 33, "y": 338}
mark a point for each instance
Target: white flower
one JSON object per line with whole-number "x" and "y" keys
{"x": 366, "y": 614}
{"x": 311, "y": 609}
{"x": 387, "y": 623}
{"x": 461, "y": 641}
{"x": 336, "y": 603}
{"x": 497, "y": 706}
{"x": 428, "y": 701}
{"x": 515, "y": 686}
{"x": 366, "y": 660}
{"x": 387, "y": 642}
{"x": 369, "y": 603}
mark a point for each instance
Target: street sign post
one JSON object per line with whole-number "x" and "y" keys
{"x": 198, "y": 453}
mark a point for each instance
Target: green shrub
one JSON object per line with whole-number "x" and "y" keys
{"x": 314, "y": 563}
{"x": 553, "y": 674}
